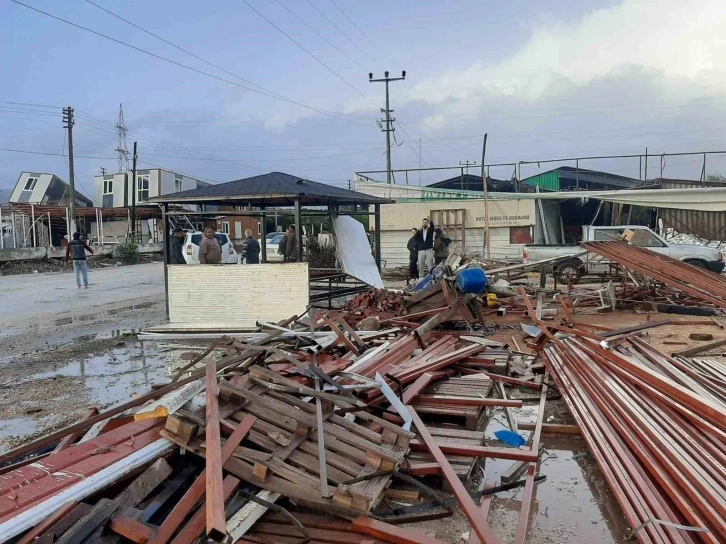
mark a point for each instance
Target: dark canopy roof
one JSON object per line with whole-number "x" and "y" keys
{"x": 275, "y": 188}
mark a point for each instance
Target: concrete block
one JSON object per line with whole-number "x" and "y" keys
{"x": 23, "y": 254}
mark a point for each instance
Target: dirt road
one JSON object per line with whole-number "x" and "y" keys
{"x": 58, "y": 355}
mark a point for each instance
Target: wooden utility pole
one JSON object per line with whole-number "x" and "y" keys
{"x": 134, "y": 188}
{"x": 68, "y": 120}
{"x": 486, "y": 196}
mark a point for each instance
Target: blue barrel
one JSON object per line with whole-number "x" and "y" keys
{"x": 472, "y": 280}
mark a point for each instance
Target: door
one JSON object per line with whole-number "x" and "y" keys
{"x": 238, "y": 234}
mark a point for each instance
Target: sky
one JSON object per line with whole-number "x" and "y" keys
{"x": 228, "y": 89}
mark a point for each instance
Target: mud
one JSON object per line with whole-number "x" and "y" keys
{"x": 52, "y": 369}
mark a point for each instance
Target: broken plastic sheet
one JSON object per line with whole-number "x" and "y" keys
{"x": 354, "y": 251}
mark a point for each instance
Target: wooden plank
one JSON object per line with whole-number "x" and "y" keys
{"x": 195, "y": 527}
{"x": 69, "y": 520}
{"x": 552, "y": 428}
{"x": 480, "y": 526}
{"x": 324, "y": 492}
{"x": 165, "y": 495}
{"x": 216, "y": 521}
{"x": 416, "y": 387}
{"x": 131, "y": 529}
{"x": 47, "y": 523}
{"x": 699, "y": 349}
{"x": 144, "y": 484}
{"x": 510, "y": 415}
{"x": 466, "y": 401}
{"x": 110, "y": 537}
{"x": 196, "y": 490}
{"x": 104, "y": 509}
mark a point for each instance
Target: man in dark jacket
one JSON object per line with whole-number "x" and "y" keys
{"x": 441, "y": 246}
{"x": 250, "y": 249}
{"x": 288, "y": 246}
{"x": 76, "y": 251}
{"x": 425, "y": 248}
{"x": 413, "y": 254}
{"x": 176, "y": 247}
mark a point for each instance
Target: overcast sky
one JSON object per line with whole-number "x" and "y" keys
{"x": 545, "y": 79}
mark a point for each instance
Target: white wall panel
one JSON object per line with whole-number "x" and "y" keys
{"x": 236, "y": 296}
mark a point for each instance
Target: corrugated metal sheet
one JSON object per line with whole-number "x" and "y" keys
{"x": 549, "y": 181}
{"x": 229, "y": 296}
{"x": 706, "y": 225}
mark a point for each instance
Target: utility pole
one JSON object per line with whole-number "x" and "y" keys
{"x": 103, "y": 171}
{"x": 349, "y": 186}
{"x": 388, "y": 120}
{"x": 486, "y": 196}
{"x": 465, "y": 164}
{"x": 121, "y": 151}
{"x": 68, "y": 120}
{"x": 134, "y": 188}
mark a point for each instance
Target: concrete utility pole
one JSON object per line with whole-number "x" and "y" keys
{"x": 465, "y": 165}
{"x": 388, "y": 120}
{"x": 134, "y": 188}
{"x": 68, "y": 120}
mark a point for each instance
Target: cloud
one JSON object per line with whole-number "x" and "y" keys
{"x": 671, "y": 38}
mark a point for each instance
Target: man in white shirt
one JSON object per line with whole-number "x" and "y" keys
{"x": 425, "y": 248}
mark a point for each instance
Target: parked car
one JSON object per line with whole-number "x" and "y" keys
{"x": 273, "y": 244}
{"x": 191, "y": 248}
{"x": 699, "y": 256}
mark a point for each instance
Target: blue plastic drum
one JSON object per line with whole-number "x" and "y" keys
{"x": 472, "y": 280}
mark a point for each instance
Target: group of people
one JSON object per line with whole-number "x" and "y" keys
{"x": 210, "y": 251}
{"x": 427, "y": 247}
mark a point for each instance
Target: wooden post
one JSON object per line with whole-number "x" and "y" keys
{"x": 298, "y": 230}
{"x": 487, "y": 238}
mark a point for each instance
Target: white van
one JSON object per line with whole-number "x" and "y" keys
{"x": 191, "y": 248}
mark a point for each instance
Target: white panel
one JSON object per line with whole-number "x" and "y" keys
{"x": 236, "y": 296}
{"x": 354, "y": 251}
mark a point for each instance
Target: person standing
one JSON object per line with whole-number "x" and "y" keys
{"x": 176, "y": 247}
{"x": 250, "y": 249}
{"x": 210, "y": 252}
{"x": 76, "y": 250}
{"x": 425, "y": 247}
{"x": 288, "y": 247}
{"x": 441, "y": 246}
{"x": 413, "y": 254}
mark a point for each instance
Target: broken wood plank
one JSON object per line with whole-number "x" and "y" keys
{"x": 551, "y": 428}
{"x": 510, "y": 415}
{"x": 104, "y": 509}
{"x": 699, "y": 349}
{"x": 144, "y": 484}
{"x": 196, "y": 490}
{"x": 69, "y": 520}
{"x": 214, "y": 501}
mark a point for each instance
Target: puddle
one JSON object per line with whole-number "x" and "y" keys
{"x": 103, "y": 313}
{"x": 115, "y": 375}
{"x": 18, "y": 426}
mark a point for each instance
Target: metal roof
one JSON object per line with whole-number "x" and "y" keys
{"x": 275, "y": 188}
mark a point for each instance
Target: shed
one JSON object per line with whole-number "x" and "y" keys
{"x": 253, "y": 196}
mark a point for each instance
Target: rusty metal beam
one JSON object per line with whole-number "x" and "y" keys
{"x": 216, "y": 520}
{"x": 468, "y": 507}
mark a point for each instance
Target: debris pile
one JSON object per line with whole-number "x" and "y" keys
{"x": 311, "y": 430}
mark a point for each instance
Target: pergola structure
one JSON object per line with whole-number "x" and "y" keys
{"x": 273, "y": 190}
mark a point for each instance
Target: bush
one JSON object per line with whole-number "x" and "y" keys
{"x": 320, "y": 256}
{"x": 128, "y": 253}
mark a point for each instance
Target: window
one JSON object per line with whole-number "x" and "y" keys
{"x": 107, "y": 186}
{"x": 225, "y": 227}
{"x": 520, "y": 235}
{"x": 142, "y": 186}
{"x": 607, "y": 235}
{"x": 178, "y": 184}
{"x": 30, "y": 184}
{"x": 259, "y": 228}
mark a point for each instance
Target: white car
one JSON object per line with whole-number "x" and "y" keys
{"x": 273, "y": 244}
{"x": 191, "y": 248}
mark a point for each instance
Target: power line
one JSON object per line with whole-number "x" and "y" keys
{"x": 343, "y": 33}
{"x": 363, "y": 33}
{"x": 322, "y": 37}
{"x": 266, "y": 91}
{"x": 179, "y": 64}
{"x": 328, "y": 68}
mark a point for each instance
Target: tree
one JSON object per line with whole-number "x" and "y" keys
{"x": 716, "y": 178}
